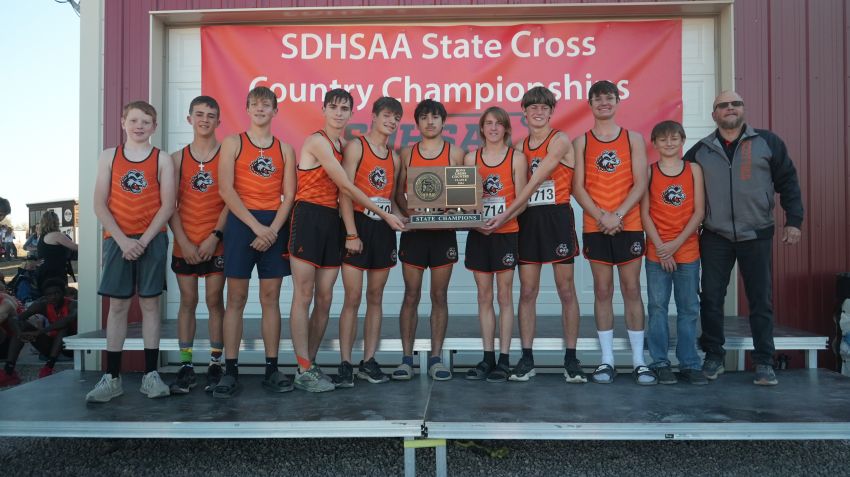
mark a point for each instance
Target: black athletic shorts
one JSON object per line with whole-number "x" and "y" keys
{"x": 428, "y": 248}
{"x": 214, "y": 265}
{"x": 547, "y": 234}
{"x": 379, "y": 245}
{"x": 491, "y": 253}
{"x": 618, "y": 249}
{"x": 315, "y": 235}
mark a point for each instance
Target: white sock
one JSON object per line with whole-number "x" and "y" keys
{"x": 636, "y": 340}
{"x": 606, "y": 342}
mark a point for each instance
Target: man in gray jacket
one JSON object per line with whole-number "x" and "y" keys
{"x": 743, "y": 168}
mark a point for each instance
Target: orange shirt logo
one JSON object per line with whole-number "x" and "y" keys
{"x": 378, "y": 178}
{"x": 134, "y": 181}
{"x": 263, "y": 166}
{"x": 202, "y": 181}
{"x": 674, "y": 195}
{"x": 608, "y": 161}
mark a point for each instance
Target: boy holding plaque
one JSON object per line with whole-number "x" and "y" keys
{"x": 423, "y": 248}
{"x": 315, "y": 236}
{"x": 370, "y": 243}
{"x": 493, "y": 252}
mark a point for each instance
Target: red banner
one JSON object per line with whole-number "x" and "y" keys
{"x": 466, "y": 67}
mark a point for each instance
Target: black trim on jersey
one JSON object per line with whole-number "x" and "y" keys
{"x": 549, "y": 137}
{"x": 189, "y": 149}
{"x": 333, "y": 146}
{"x": 480, "y": 153}
{"x": 416, "y": 150}
{"x": 369, "y": 145}
{"x": 612, "y": 140}
{"x": 658, "y": 165}
{"x": 259, "y": 147}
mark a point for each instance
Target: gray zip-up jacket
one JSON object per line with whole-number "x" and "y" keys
{"x": 739, "y": 194}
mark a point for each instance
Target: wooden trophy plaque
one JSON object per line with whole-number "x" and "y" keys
{"x": 444, "y": 197}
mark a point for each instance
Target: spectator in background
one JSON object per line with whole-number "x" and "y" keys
{"x": 44, "y": 324}
{"x": 31, "y": 245}
{"x": 9, "y": 244}
{"x": 5, "y": 208}
{"x": 54, "y": 248}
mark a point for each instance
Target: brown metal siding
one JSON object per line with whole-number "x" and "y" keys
{"x": 792, "y": 63}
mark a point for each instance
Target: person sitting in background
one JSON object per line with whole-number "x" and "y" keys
{"x": 44, "y": 324}
{"x": 31, "y": 245}
{"x": 53, "y": 250}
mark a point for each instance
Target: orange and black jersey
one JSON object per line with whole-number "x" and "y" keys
{"x": 375, "y": 176}
{"x": 608, "y": 178}
{"x": 671, "y": 206}
{"x": 134, "y": 192}
{"x": 315, "y": 186}
{"x": 258, "y": 174}
{"x": 498, "y": 188}
{"x": 558, "y": 187}
{"x": 198, "y": 201}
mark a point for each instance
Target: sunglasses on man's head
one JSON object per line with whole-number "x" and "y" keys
{"x": 725, "y": 104}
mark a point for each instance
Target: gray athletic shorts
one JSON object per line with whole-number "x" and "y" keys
{"x": 124, "y": 278}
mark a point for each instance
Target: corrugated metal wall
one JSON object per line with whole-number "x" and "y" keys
{"x": 792, "y": 64}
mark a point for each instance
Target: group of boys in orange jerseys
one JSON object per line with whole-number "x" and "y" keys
{"x": 246, "y": 203}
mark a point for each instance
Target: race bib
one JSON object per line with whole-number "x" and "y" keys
{"x": 493, "y": 206}
{"x": 383, "y": 204}
{"x": 544, "y": 195}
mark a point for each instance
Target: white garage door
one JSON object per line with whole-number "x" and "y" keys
{"x": 183, "y": 79}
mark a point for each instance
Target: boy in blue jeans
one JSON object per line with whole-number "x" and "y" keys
{"x": 672, "y": 210}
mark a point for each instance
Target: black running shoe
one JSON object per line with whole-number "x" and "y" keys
{"x": 480, "y": 371}
{"x": 345, "y": 376}
{"x": 499, "y": 374}
{"x": 186, "y": 380}
{"x": 371, "y": 371}
{"x": 573, "y": 372}
{"x": 523, "y": 370}
{"x": 214, "y": 374}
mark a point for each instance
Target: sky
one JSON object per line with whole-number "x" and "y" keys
{"x": 39, "y": 94}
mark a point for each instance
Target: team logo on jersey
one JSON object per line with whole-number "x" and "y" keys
{"x": 263, "y": 166}
{"x": 134, "y": 181}
{"x": 378, "y": 178}
{"x": 202, "y": 181}
{"x": 451, "y": 253}
{"x": 394, "y": 256}
{"x": 562, "y": 250}
{"x": 607, "y": 161}
{"x": 493, "y": 184}
{"x": 535, "y": 163}
{"x": 637, "y": 248}
{"x": 218, "y": 262}
{"x": 674, "y": 195}
{"x": 508, "y": 260}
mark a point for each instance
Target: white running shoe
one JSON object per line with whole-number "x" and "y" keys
{"x": 105, "y": 389}
{"x": 153, "y": 386}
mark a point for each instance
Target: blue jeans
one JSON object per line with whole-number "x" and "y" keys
{"x": 659, "y": 283}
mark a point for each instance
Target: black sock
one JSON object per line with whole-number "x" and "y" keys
{"x": 113, "y": 363}
{"x": 490, "y": 358}
{"x": 504, "y": 359}
{"x": 151, "y": 359}
{"x": 526, "y": 353}
{"x": 271, "y": 366}
{"x": 51, "y": 362}
{"x": 10, "y": 367}
{"x": 569, "y": 354}
{"x": 231, "y": 367}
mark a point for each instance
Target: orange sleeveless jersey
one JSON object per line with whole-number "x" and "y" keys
{"x": 134, "y": 192}
{"x": 258, "y": 174}
{"x": 671, "y": 206}
{"x": 315, "y": 186}
{"x": 562, "y": 176}
{"x": 498, "y": 182}
{"x": 375, "y": 175}
{"x": 608, "y": 178}
{"x": 198, "y": 201}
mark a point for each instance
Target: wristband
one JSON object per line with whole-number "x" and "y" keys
{"x": 351, "y": 236}
{"x": 218, "y": 234}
